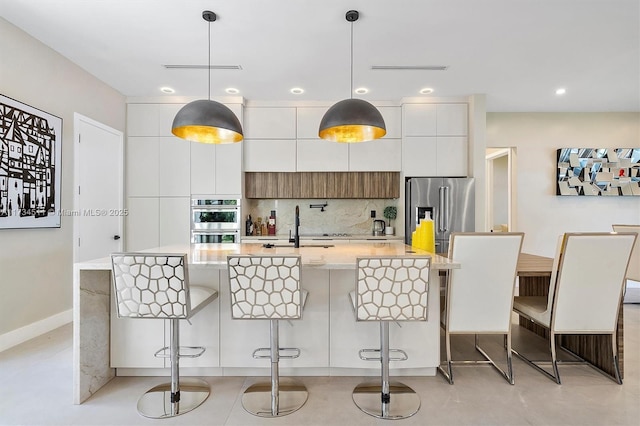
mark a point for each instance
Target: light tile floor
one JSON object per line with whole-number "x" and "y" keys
{"x": 36, "y": 384}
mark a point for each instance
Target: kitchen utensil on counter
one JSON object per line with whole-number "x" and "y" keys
{"x": 378, "y": 228}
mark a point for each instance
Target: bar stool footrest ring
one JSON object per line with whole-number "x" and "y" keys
{"x": 362, "y": 354}
{"x": 295, "y": 354}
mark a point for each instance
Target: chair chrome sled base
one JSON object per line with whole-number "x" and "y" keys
{"x": 157, "y": 403}
{"x": 508, "y": 375}
{"x": 258, "y": 398}
{"x": 403, "y": 401}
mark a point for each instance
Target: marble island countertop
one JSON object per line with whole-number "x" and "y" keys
{"x": 328, "y": 236}
{"x": 339, "y": 256}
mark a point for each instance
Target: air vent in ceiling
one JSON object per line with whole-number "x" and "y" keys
{"x": 410, "y": 67}
{"x": 203, "y": 67}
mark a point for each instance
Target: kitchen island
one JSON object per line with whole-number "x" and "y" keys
{"x": 327, "y": 334}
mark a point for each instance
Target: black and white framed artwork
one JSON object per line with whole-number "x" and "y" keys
{"x": 30, "y": 166}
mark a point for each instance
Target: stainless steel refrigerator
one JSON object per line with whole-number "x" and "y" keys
{"x": 450, "y": 202}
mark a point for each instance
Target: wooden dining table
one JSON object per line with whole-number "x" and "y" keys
{"x": 534, "y": 275}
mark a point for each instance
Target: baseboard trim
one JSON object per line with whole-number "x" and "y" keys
{"x": 28, "y": 332}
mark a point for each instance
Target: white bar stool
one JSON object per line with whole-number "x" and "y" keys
{"x": 268, "y": 287}
{"x": 156, "y": 286}
{"x": 389, "y": 289}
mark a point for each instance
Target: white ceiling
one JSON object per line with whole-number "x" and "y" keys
{"x": 517, "y": 52}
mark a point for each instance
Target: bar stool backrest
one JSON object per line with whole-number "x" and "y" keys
{"x": 265, "y": 287}
{"x": 480, "y": 295}
{"x": 392, "y": 288}
{"x": 151, "y": 285}
{"x": 590, "y": 280}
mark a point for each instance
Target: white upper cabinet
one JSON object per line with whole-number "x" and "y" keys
{"x": 216, "y": 169}
{"x": 269, "y": 155}
{"x": 151, "y": 119}
{"x": 318, "y": 155}
{"x": 203, "y": 168}
{"x": 419, "y": 156}
{"x": 308, "y": 121}
{"x": 452, "y": 156}
{"x": 452, "y": 120}
{"x": 174, "y": 167}
{"x": 269, "y": 123}
{"x": 393, "y": 121}
{"x": 142, "y": 166}
{"x": 380, "y": 155}
{"x": 419, "y": 120}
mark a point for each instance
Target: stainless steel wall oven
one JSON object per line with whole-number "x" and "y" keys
{"x": 215, "y": 220}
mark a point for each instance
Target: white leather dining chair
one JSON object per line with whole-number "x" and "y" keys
{"x": 479, "y": 296}
{"x": 632, "y": 294}
{"x": 585, "y": 292}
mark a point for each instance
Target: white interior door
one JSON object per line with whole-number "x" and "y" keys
{"x": 99, "y": 205}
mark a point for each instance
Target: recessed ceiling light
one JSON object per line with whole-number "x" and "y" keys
{"x": 561, "y": 91}
{"x": 232, "y": 90}
{"x": 167, "y": 90}
{"x": 361, "y": 90}
{"x": 426, "y": 91}
{"x": 297, "y": 90}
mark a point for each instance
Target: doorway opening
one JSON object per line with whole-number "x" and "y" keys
{"x": 501, "y": 184}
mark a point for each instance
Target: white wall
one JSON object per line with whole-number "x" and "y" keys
{"x": 536, "y": 136}
{"x": 36, "y": 264}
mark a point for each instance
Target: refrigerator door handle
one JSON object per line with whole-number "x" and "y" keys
{"x": 441, "y": 208}
{"x": 446, "y": 209}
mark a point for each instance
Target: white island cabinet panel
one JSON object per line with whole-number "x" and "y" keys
{"x": 134, "y": 341}
{"x": 142, "y": 166}
{"x": 142, "y": 223}
{"x": 174, "y": 220}
{"x": 270, "y": 123}
{"x": 174, "y": 167}
{"x": 419, "y": 156}
{"x": 381, "y": 155}
{"x": 419, "y": 120}
{"x": 310, "y": 333}
{"x": 269, "y": 155}
{"x": 318, "y": 155}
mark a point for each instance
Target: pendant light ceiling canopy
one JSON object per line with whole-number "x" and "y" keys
{"x": 207, "y": 121}
{"x": 352, "y": 120}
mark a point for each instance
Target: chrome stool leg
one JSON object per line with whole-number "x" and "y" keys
{"x": 178, "y": 396}
{"x": 384, "y": 399}
{"x": 275, "y": 399}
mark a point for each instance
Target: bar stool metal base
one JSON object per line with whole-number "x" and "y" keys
{"x": 257, "y": 399}
{"x": 404, "y": 402}
{"x": 156, "y": 402}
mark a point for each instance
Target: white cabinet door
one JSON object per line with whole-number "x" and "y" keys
{"x": 381, "y": 155}
{"x": 166, "y": 114}
{"x": 308, "y": 121}
{"x": 269, "y": 155}
{"x": 142, "y": 119}
{"x": 142, "y": 166}
{"x": 174, "y": 222}
{"x": 419, "y": 120}
{"x": 174, "y": 167}
{"x": 392, "y": 120}
{"x": 203, "y": 168}
{"x": 270, "y": 123}
{"x": 452, "y": 120}
{"x": 142, "y": 223}
{"x": 452, "y": 156}
{"x": 419, "y": 156}
{"x": 318, "y": 155}
{"x": 228, "y": 169}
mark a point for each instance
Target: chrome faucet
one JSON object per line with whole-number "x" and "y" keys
{"x": 296, "y": 237}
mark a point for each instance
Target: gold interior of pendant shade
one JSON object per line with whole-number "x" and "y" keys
{"x": 207, "y": 134}
{"x": 351, "y": 133}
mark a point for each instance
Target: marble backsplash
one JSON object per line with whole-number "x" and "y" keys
{"x": 340, "y": 216}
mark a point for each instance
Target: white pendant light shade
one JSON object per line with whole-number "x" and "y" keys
{"x": 352, "y": 120}
{"x": 207, "y": 121}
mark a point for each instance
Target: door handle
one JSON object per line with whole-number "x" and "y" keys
{"x": 116, "y": 237}
{"x": 441, "y": 208}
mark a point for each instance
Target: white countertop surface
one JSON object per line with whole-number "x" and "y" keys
{"x": 340, "y": 256}
{"x": 322, "y": 237}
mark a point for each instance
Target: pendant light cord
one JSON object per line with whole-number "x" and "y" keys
{"x": 351, "y": 92}
{"x": 209, "y": 67}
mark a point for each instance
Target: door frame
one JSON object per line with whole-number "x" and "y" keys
{"x": 77, "y": 119}
{"x": 510, "y": 153}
